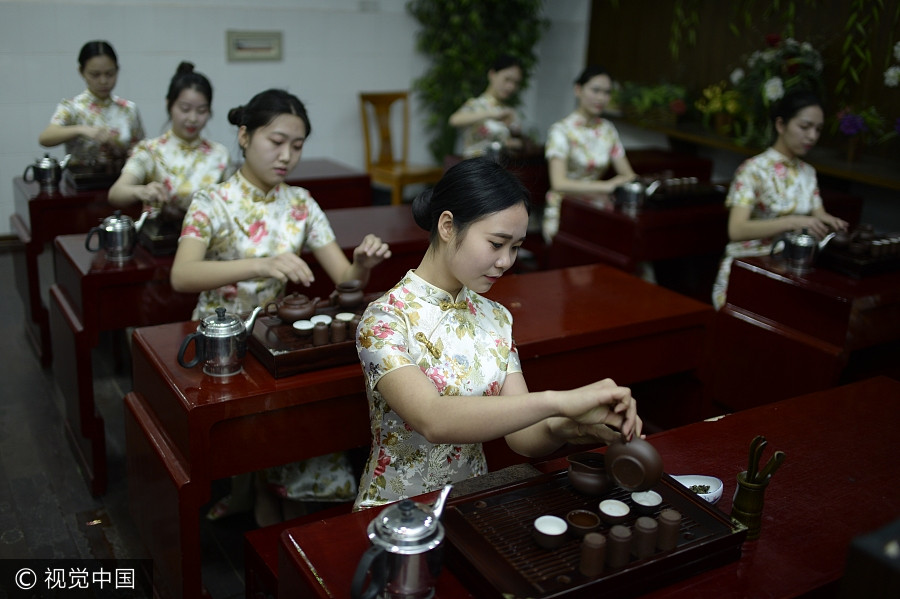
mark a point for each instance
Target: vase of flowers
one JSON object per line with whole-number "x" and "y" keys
{"x": 719, "y": 107}
{"x": 784, "y": 65}
{"x": 862, "y": 127}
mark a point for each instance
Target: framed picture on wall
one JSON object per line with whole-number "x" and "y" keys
{"x": 253, "y": 45}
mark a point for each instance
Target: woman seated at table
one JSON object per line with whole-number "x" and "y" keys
{"x": 441, "y": 368}
{"x": 488, "y": 119}
{"x": 241, "y": 244}
{"x": 97, "y": 127}
{"x": 776, "y": 191}
{"x": 164, "y": 172}
{"x": 581, "y": 147}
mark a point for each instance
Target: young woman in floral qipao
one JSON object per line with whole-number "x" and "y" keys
{"x": 241, "y": 243}
{"x": 95, "y": 125}
{"x": 488, "y": 118}
{"x": 581, "y": 147}
{"x": 165, "y": 171}
{"x": 776, "y": 191}
{"x": 442, "y": 371}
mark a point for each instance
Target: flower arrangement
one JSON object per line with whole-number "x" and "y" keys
{"x": 719, "y": 103}
{"x": 867, "y": 123}
{"x": 783, "y": 66}
{"x": 660, "y": 103}
{"x": 892, "y": 73}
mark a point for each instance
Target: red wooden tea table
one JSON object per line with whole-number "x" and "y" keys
{"x": 807, "y": 523}
{"x": 802, "y": 332}
{"x": 92, "y": 295}
{"x": 185, "y": 429}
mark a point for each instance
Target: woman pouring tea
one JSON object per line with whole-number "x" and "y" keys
{"x": 442, "y": 371}
{"x": 241, "y": 244}
{"x": 96, "y": 126}
{"x": 167, "y": 170}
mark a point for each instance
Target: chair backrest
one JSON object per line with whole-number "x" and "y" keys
{"x": 380, "y": 105}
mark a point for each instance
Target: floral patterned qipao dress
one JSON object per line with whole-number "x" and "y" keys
{"x": 117, "y": 114}
{"x": 183, "y": 167}
{"x": 773, "y": 185}
{"x": 478, "y": 137}
{"x": 587, "y": 146}
{"x": 237, "y": 220}
{"x": 464, "y": 345}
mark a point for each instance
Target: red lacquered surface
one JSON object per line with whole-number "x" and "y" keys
{"x": 39, "y": 217}
{"x": 332, "y": 183}
{"x": 185, "y": 429}
{"x": 806, "y": 526}
{"x": 801, "y": 329}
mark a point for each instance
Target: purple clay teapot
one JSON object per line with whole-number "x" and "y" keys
{"x": 292, "y": 308}
{"x": 348, "y": 294}
{"x": 634, "y": 465}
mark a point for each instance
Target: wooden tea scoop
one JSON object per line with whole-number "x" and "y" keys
{"x": 756, "y": 449}
{"x": 771, "y": 466}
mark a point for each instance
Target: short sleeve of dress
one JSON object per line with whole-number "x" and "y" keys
{"x": 557, "y": 145}
{"x": 742, "y": 191}
{"x": 64, "y": 114}
{"x": 140, "y": 164}
{"x": 319, "y": 229}
{"x": 382, "y": 341}
{"x": 201, "y": 217}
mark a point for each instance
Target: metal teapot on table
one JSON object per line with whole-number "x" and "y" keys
{"x": 799, "y": 250}
{"x": 221, "y": 343}
{"x": 405, "y": 557}
{"x": 117, "y": 235}
{"x": 47, "y": 172}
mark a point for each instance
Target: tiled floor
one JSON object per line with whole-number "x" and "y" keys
{"x": 46, "y": 510}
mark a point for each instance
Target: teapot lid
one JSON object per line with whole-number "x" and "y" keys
{"x": 118, "y": 222}
{"x": 221, "y": 324}
{"x": 47, "y": 161}
{"x": 803, "y": 238}
{"x": 406, "y": 527}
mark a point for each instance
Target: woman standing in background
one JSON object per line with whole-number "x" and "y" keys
{"x": 96, "y": 126}
{"x": 488, "y": 118}
{"x": 581, "y": 147}
{"x": 167, "y": 170}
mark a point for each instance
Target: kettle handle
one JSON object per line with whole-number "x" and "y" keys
{"x": 90, "y": 235}
{"x": 198, "y": 357}
{"x": 25, "y": 174}
{"x": 373, "y": 559}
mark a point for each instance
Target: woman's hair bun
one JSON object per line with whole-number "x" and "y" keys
{"x": 236, "y": 116}
{"x": 185, "y": 67}
{"x": 421, "y": 209}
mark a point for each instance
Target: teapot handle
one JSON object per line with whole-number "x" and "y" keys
{"x": 198, "y": 357}
{"x": 268, "y": 312}
{"x": 373, "y": 559}
{"x": 87, "y": 240}
{"x": 25, "y": 174}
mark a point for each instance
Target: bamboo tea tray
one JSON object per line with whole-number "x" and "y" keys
{"x": 492, "y": 551}
{"x": 283, "y": 352}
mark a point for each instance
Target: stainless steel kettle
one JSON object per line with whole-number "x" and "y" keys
{"x": 220, "y": 343}
{"x": 799, "y": 250}
{"x": 117, "y": 235}
{"x": 47, "y": 171}
{"x": 405, "y": 557}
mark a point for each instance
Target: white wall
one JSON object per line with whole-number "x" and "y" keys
{"x": 332, "y": 50}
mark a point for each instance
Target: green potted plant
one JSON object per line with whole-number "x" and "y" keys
{"x": 462, "y": 39}
{"x": 662, "y": 103}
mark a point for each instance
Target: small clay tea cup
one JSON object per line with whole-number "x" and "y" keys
{"x": 582, "y": 522}
{"x": 550, "y": 531}
{"x": 646, "y": 502}
{"x": 613, "y": 511}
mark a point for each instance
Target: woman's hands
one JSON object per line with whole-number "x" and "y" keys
{"x": 152, "y": 193}
{"x": 589, "y": 412}
{"x": 371, "y": 252}
{"x": 819, "y": 225}
{"x": 286, "y": 267}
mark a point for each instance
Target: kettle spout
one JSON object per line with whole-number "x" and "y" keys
{"x": 141, "y": 220}
{"x": 438, "y": 507}
{"x": 248, "y": 324}
{"x": 826, "y": 239}
{"x": 64, "y": 162}
{"x": 652, "y": 188}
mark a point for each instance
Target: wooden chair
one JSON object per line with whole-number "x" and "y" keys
{"x": 384, "y": 168}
